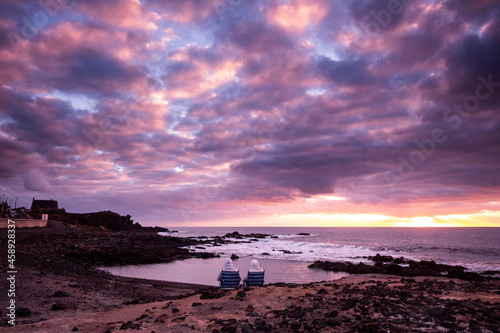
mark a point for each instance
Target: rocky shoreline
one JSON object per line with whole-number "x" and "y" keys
{"x": 58, "y": 275}
{"x": 58, "y": 284}
{"x": 406, "y": 268}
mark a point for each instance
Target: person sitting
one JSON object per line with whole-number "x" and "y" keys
{"x": 255, "y": 275}
{"x": 229, "y": 276}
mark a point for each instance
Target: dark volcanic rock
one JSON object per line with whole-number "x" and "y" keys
{"x": 23, "y": 312}
{"x": 290, "y": 252}
{"x": 436, "y": 312}
{"x": 297, "y": 314}
{"x": 467, "y": 276}
{"x": 129, "y": 325}
{"x": 392, "y": 269}
{"x": 132, "y": 248}
{"x": 259, "y": 322}
{"x": 345, "y": 267}
{"x": 212, "y": 294}
{"x": 237, "y": 235}
{"x": 399, "y": 261}
{"x": 247, "y": 328}
{"x": 106, "y": 219}
{"x": 379, "y": 258}
{"x": 59, "y": 306}
{"x": 60, "y": 293}
{"x": 322, "y": 291}
{"x": 416, "y": 268}
{"x": 229, "y": 329}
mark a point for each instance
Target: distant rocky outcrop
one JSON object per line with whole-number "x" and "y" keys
{"x": 401, "y": 267}
{"x": 105, "y": 219}
{"x": 82, "y": 249}
{"x": 237, "y": 235}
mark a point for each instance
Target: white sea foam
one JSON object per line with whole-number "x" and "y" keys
{"x": 284, "y": 248}
{"x": 475, "y": 248}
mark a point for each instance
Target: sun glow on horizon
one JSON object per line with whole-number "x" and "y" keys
{"x": 424, "y": 222}
{"x": 480, "y": 219}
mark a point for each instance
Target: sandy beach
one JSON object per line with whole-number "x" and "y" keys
{"x": 59, "y": 289}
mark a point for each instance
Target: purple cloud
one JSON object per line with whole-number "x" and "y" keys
{"x": 203, "y": 111}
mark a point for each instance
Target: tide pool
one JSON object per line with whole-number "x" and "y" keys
{"x": 205, "y": 271}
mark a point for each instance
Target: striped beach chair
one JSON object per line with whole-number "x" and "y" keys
{"x": 230, "y": 280}
{"x": 254, "y": 279}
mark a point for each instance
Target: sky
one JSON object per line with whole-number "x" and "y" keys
{"x": 254, "y": 112}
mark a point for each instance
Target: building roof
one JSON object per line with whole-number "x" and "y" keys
{"x": 45, "y": 204}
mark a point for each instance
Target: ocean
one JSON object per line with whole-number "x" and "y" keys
{"x": 286, "y": 257}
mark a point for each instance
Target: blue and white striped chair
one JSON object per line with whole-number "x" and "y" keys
{"x": 230, "y": 280}
{"x": 254, "y": 279}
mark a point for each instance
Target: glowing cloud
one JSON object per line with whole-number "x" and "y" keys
{"x": 255, "y": 112}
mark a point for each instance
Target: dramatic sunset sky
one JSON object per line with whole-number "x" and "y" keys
{"x": 254, "y": 112}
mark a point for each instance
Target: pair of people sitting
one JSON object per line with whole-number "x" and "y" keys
{"x": 229, "y": 276}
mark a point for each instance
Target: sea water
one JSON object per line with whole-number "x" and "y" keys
{"x": 286, "y": 255}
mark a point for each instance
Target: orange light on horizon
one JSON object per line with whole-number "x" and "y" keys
{"x": 481, "y": 219}
{"x": 425, "y": 222}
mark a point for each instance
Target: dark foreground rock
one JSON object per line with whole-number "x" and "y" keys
{"x": 373, "y": 303}
{"x": 372, "y": 306}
